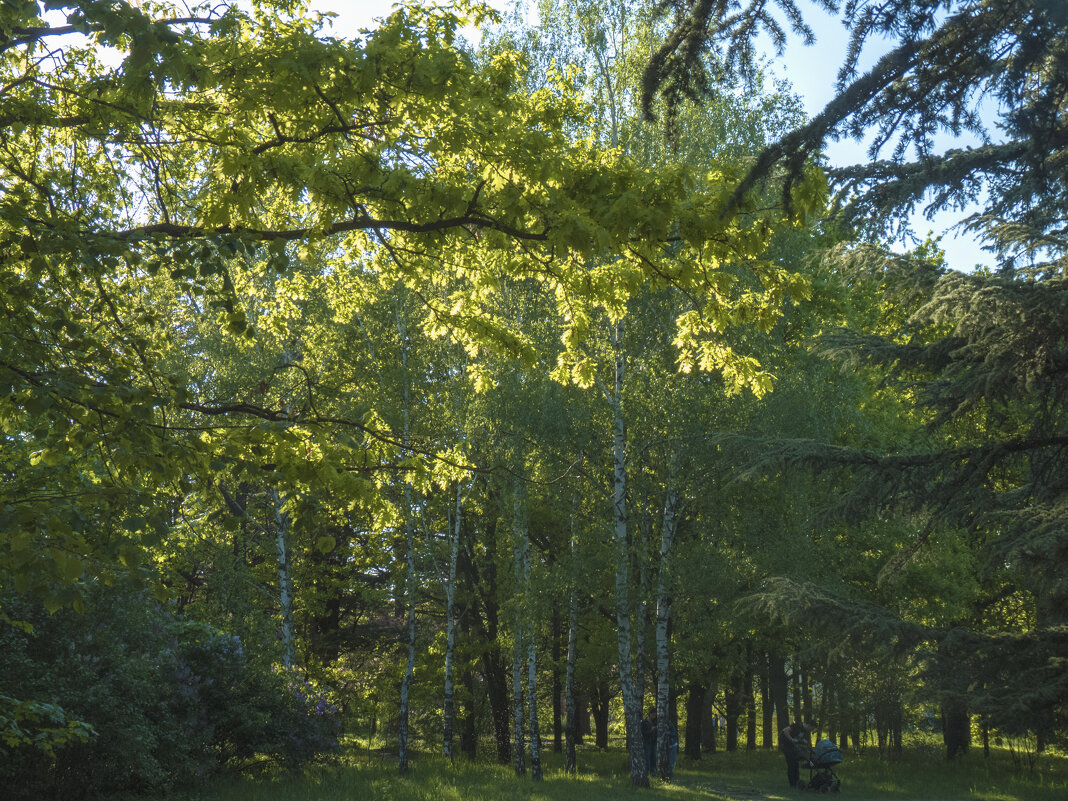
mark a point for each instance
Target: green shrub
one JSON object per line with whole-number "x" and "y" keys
{"x": 169, "y": 701}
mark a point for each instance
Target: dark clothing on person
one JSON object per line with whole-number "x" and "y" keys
{"x": 792, "y": 743}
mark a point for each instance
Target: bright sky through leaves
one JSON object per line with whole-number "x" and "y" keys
{"x": 812, "y": 72}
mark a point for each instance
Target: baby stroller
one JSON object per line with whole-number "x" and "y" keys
{"x": 821, "y": 777}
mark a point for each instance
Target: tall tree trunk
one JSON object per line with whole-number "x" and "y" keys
{"x": 600, "y": 705}
{"x": 641, "y": 616}
{"x": 830, "y": 708}
{"x": 956, "y": 728}
{"x": 695, "y": 701}
{"x": 806, "y": 694}
{"x": 324, "y": 634}
{"x": 469, "y": 725}
{"x": 409, "y": 671}
{"x": 450, "y": 625}
{"x": 733, "y": 702}
{"x": 777, "y": 680}
{"x": 518, "y": 740}
{"x": 285, "y": 580}
{"x": 583, "y": 729}
{"x": 896, "y": 724}
{"x": 409, "y": 535}
{"x": 750, "y": 702}
{"x": 532, "y": 696}
{"x": 710, "y": 719}
{"x": 495, "y": 671}
{"x": 663, "y": 617}
{"x": 557, "y": 689}
{"x": 767, "y": 708}
{"x": 482, "y": 618}
{"x": 795, "y": 687}
{"x": 518, "y": 744}
{"x": 639, "y": 774}
{"x": 526, "y": 605}
{"x": 485, "y": 594}
{"x": 570, "y": 721}
{"x": 953, "y": 681}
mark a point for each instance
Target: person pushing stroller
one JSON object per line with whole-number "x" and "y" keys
{"x": 793, "y": 742}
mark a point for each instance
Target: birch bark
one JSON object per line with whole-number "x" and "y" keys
{"x": 570, "y": 765}
{"x": 663, "y": 618}
{"x": 450, "y": 626}
{"x": 641, "y": 624}
{"x": 639, "y": 774}
{"x": 532, "y": 663}
{"x": 409, "y": 672}
{"x": 517, "y": 650}
{"x": 285, "y": 580}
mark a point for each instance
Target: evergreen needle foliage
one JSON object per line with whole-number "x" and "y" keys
{"x": 977, "y": 359}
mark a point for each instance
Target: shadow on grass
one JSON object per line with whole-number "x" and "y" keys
{"x": 362, "y": 775}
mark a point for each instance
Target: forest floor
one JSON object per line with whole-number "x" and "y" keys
{"x": 920, "y": 774}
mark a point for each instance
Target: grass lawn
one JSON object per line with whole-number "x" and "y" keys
{"x": 741, "y": 776}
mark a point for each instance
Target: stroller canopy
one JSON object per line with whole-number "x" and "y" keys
{"x": 825, "y": 754}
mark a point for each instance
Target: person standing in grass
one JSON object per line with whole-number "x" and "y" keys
{"x": 793, "y": 742}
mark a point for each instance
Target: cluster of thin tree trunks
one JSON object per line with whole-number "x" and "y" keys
{"x": 741, "y": 711}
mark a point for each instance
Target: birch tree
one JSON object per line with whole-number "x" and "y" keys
{"x": 663, "y": 619}
{"x": 285, "y": 579}
{"x": 570, "y": 761}
{"x": 450, "y": 623}
{"x": 231, "y": 144}
{"x": 639, "y": 774}
{"x": 519, "y": 631}
{"x": 409, "y": 541}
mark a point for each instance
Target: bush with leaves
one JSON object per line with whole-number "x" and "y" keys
{"x": 169, "y": 701}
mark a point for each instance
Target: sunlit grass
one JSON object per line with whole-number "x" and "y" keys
{"x": 920, "y": 775}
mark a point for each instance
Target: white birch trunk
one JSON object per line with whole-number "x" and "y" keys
{"x": 639, "y": 774}
{"x": 532, "y": 664}
{"x": 450, "y": 625}
{"x": 663, "y": 616}
{"x": 570, "y": 765}
{"x": 449, "y": 706}
{"x": 409, "y": 673}
{"x": 517, "y": 650}
{"x": 642, "y": 608}
{"x": 285, "y": 581}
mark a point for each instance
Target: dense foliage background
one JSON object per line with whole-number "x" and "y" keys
{"x": 458, "y": 398}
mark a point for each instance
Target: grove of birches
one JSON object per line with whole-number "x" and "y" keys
{"x": 471, "y": 383}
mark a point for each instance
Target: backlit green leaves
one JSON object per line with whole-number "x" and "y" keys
{"x": 240, "y": 188}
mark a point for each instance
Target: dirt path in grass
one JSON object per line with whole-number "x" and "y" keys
{"x": 737, "y": 794}
{"x": 747, "y": 794}
{"x": 743, "y": 793}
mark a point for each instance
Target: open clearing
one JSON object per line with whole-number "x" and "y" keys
{"x": 919, "y": 775}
